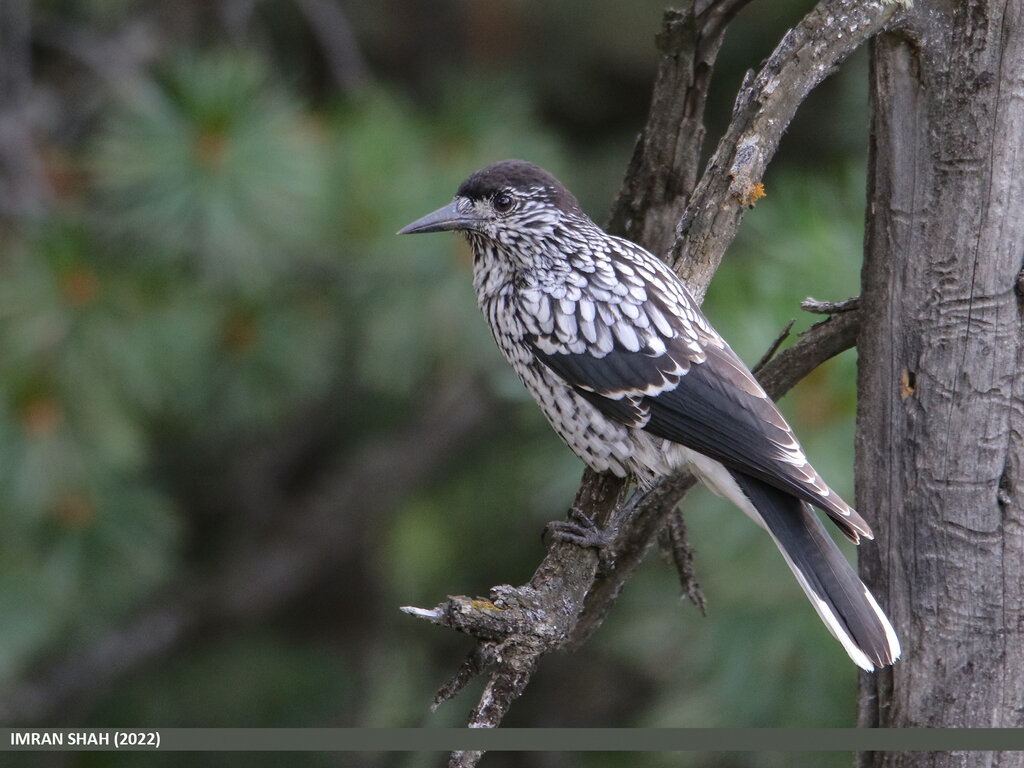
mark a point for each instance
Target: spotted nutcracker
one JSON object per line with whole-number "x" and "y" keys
{"x": 632, "y": 376}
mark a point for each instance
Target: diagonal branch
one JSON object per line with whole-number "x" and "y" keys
{"x": 764, "y": 107}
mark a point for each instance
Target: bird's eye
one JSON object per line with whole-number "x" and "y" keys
{"x": 503, "y": 202}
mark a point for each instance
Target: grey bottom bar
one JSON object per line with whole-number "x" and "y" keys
{"x": 512, "y": 739}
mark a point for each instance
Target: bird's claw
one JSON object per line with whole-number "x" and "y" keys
{"x": 583, "y": 531}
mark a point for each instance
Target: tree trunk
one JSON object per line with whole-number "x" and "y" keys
{"x": 940, "y": 424}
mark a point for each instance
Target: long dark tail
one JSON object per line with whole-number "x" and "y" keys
{"x": 845, "y": 605}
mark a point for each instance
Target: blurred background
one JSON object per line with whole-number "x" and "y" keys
{"x": 241, "y": 422}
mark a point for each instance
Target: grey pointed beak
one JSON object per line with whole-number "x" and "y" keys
{"x": 442, "y": 220}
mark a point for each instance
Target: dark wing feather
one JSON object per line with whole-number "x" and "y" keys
{"x": 706, "y": 401}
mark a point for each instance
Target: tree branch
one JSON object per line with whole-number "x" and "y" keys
{"x": 764, "y": 107}
{"x": 666, "y": 159}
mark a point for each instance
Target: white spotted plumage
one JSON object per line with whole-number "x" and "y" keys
{"x": 637, "y": 382}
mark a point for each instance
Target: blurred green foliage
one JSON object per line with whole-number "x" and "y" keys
{"x": 235, "y": 260}
{"x": 212, "y": 165}
{"x": 221, "y": 257}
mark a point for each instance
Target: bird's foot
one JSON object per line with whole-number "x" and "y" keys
{"x": 582, "y": 530}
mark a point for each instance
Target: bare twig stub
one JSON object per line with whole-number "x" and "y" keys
{"x": 830, "y": 307}
{"x": 571, "y": 591}
{"x": 774, "y": 346}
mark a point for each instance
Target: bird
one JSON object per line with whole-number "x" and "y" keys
{"x": 634, "y": 379}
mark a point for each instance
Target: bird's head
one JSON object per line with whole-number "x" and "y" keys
{"x": 505, "y": 203}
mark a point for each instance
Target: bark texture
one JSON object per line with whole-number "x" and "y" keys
{"x": 940, "y": 437}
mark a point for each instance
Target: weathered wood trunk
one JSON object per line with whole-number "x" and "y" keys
{"x": 940, "y": 435}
